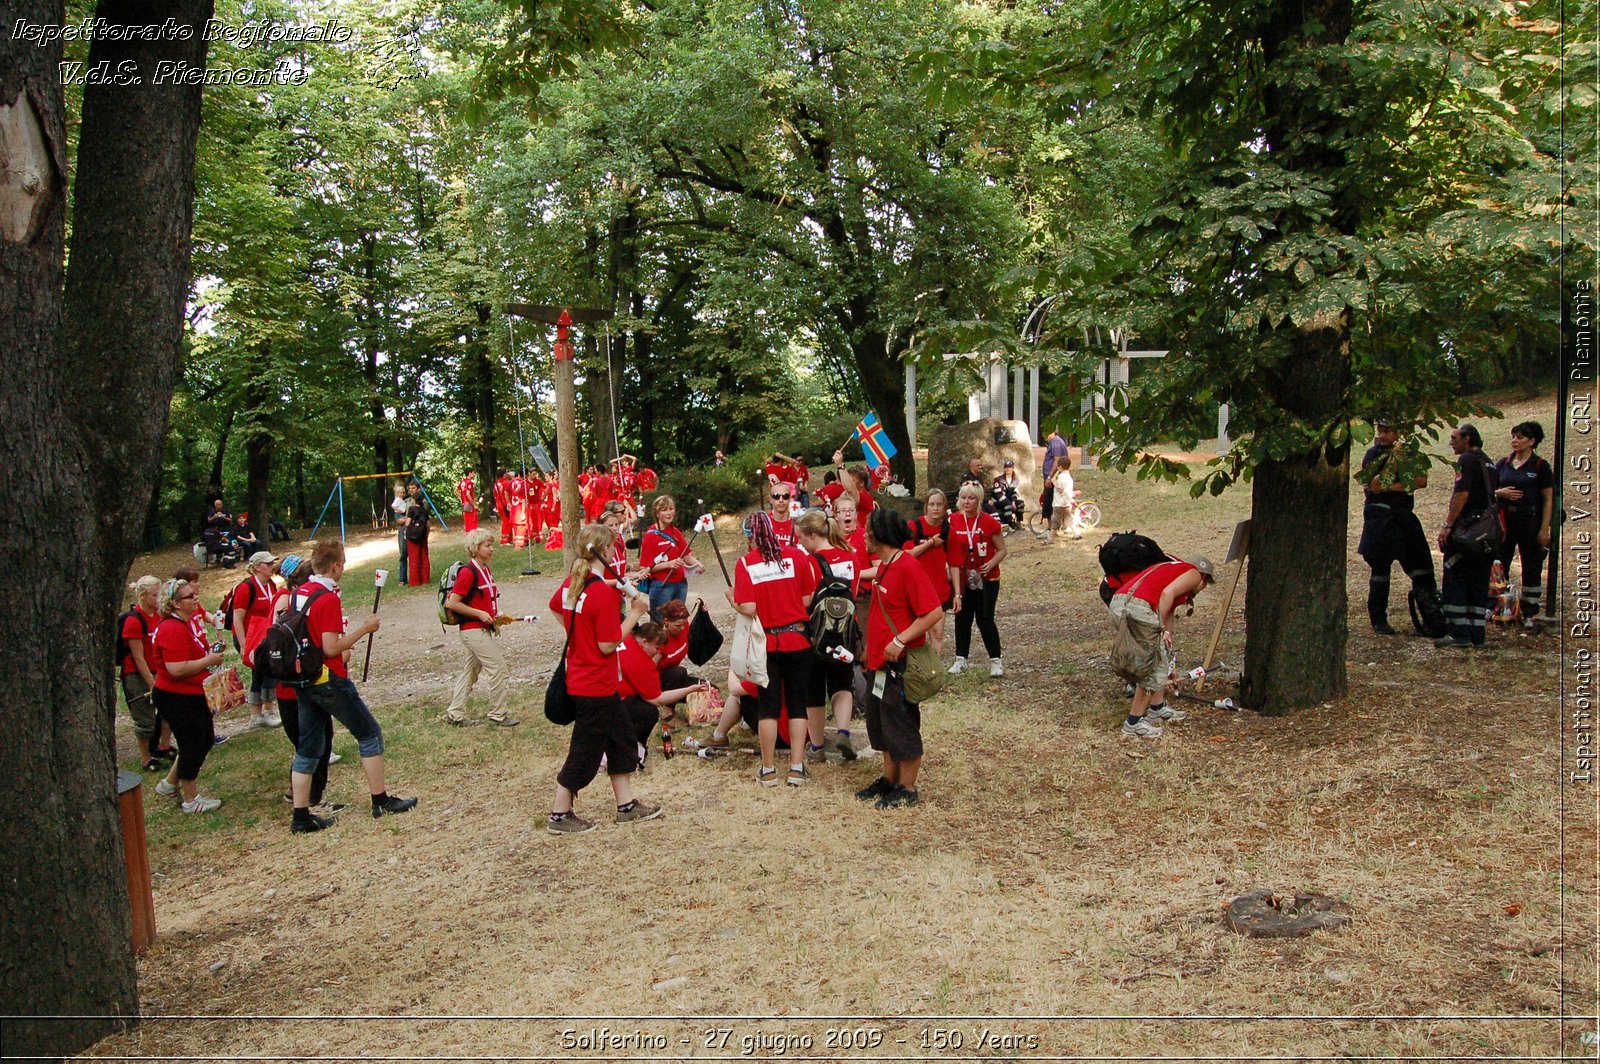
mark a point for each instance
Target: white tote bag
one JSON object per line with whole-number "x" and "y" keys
{"x": 748, "y": 655}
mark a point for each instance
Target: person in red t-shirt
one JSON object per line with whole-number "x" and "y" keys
{"x": 674, "y": 620}
{"x": 295, "y": 571}
{"x": 780, "y": 509}
{"x": 552, "y": 513}
{"x": 928, "y": 534}
{"x": 832, "y": 678}
{"x": 137, "y": 637}
{"x": 830, "y": 491}
{"x": 182, "y": 661}
{"x": 502, "y": 504}
{"x": 773, "y": 583}
{"x": 644, "y": 700}
{"x": 612, "y": 517}
{"x": 857, "y": 484}
{"x": 333, "y": 694}
{"x": 1146, "y": 602}
{"x": 665, "y": 557}
{"x": 589, "y": 608}
{"x": 475, "y": 599}
{"x": 252, "y": 608}
{"x": 624, "y": 485}
{"x": 536, "y": 497}
{"x": 467, "y": 492}
{"x": 974, "y": 550}
{"x": 904, "y": 608}
{"x": 517, "y": 497}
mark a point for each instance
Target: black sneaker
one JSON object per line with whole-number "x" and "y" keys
{"x": 392, "y": 805}
{"x": 898, "y": 797}
{"x": 876, "y": 789}
{"x": 311, "y": 823}
{"x": 1383, "y": 629}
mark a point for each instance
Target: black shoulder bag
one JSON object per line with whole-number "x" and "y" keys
{"x": 1482, "y": 537}
{"x": 559, "y": 708}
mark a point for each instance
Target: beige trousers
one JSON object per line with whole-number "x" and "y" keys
{"x": 482, "y": 656}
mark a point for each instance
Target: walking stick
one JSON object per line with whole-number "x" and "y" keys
{"x": 712, "y": 532}
{"x": 379, "y": 579}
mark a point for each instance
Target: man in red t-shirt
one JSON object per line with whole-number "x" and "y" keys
{"x": 780, "y": 507}
{"x": 333, "y": 694}
{"x": 517, "y": 497}
{"x": 1145, "y": 604}
{"x": 536, "y": 496}
{"x": 467, "y": 492}
{"x": 502, "y": 504}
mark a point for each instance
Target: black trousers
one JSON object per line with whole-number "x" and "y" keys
{"x": 1465, "y": 594}
{"x": 1388, "y": 536}
{"x": 980, "y": 605}
{"x": 602, "y": 727}
{"x": 190, "y": 720}
{"x": 1522, "y": 537}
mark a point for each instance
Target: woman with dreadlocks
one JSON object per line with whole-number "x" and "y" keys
{"x": 773, "y": 584}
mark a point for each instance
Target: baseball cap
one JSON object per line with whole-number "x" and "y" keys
{"x": 1202, "y": 563}
{"x": 262, "y": 557}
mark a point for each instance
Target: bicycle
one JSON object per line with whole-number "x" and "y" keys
{"x": 1086, "y": 513}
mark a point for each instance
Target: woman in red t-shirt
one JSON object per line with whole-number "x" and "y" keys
{"x": 832, "y": 677}
{"x": 612, "y": 515}
{"x": 475, "y": 600}
{"x": 589, "y": 608}
{"x": 773, "y": 583}
{"x": 904, "y": 608}
{"x": 928, "y": 534}
{"x": 643, "y": 699}
{"x": 137, "y": 636}
{"x": 182, "y": 662}
{"x": 665, "y": 557}
{"x": 974, "y": 550}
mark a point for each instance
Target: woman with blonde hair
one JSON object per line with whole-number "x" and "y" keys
{"x": 475, "y": 600}
{"x": 974, "y": 550}
{"x": 136, "y": 636}
{"x": 589, "y": 607}
{"x": 665, "y": 556}
{"x": 182, "y": 661}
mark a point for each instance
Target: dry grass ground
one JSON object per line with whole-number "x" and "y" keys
{"x": 1057, "y": 875}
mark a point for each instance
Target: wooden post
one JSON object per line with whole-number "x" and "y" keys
{"x": 136, "y": 855}
{"x": 1238, "y": 550}
{"x": 567, "y": 441}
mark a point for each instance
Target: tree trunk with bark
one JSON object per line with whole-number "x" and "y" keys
{"x": 96, "y": 355}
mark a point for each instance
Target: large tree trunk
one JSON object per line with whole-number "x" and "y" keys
{"x": 84, "y": 370}
{"x": 258, "y": 451}
{"x": 223, "y": 432}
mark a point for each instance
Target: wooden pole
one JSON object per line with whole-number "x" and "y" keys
{"x": 1238, "y": 550}
{"x": 567, "y": 441}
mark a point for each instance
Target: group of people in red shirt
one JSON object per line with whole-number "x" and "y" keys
{"x": 529, "y": 506}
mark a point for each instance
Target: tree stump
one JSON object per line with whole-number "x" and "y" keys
{"x": 1264, "y": 914}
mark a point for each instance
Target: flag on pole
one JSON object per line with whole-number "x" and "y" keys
{"x": 875, "y": 442}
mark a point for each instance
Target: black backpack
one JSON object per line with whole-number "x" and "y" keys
{"x": 833, "y": 615}
{"x": 1426, "y": 613}
{"x": 123, "y": 649}
{"x": 287, "y": 654}
{"x": 1127, "y": 552}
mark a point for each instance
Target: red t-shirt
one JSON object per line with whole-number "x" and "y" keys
{"x": 623, "y": 482}
{"x": 784, "y": 530}
{"x": 932, "y": 560}
{"x": 637, "y": 671}
{"x": 467, "y": 492}
{"x": 675, "y": 651}
{"x": 972, "y": 542}
{"x": 1150, "y": 587}
{"x": 175, "y": 641}
{"x": 602, "y": 488}
{"x": 663, "y": 545}
{"x": 133, "y": 632}
{"x": 828, "y": 493}
{"x": 802, "y": 476}
{"x": 619, "y": 558}
{"x": 778, "y": 589}
{"x": 864, "y": 507}
{"x": 476, "y": 586}
{"x": 502, "y": 493}
{"x": 597, "y": 619}
{"x": 517, "y": 494}
{"x": 254, "y": 599}
{"x": 327, "y": 615}
{"x": 842, "y": 563}
{"x": 880, "y": 476}
{"x": 777, "y": 473}
{"x": 903, "y": 589}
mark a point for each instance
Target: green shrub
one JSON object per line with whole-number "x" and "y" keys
{"x": 727, "y": 489}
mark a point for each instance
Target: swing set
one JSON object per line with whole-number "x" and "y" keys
{"x": 339, "y": 482}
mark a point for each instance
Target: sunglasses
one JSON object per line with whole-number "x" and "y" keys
{"x": 782, "y": 498}
{"x": 180, "y": 598}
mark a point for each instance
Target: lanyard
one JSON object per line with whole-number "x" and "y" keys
{"x": 487, "y": 581}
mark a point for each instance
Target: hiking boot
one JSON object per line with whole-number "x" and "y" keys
{"x": 958, "y": 666}
{"x": 310, "y": 824}
{"x": 846, "y": 748}
{"x": 798, "y": 776}
{"x": 996, "y": 669}
{"x": 1164, "y": 712}
{"x": 639, "y": 811}
{"x": 454, "y": 722}
{"x": 568, "y": 824}
{"x": 816, "y": 755}
{"x": 1452, "y": 641}
{"x": 767, "y": 777}
{"x": 876, "y": 789}
{"x": 391, "y": 805}
{"x": 201, "y": 804}
{"x": 1144, "y": 729}
{"x": 168, "y": 790}
{"x": 504, "y": 722}
{"x": 896, "y": 798}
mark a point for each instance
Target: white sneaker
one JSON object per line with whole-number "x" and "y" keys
{"x": 334, "y": 759}
{"x": 957, "y": 666}
{"x": 271, "y": 720}
{"x": 168, "y": 790}
{"x": 1144, "y": 729}
{"x": 995, "y": 668}
{"x": 1165, "y": 712}
{"x": 201, "y": 804}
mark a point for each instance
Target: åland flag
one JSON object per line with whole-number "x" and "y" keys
{"x": 875, "y": 443}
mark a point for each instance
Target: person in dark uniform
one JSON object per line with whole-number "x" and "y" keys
{"x": 1390, "y": 531}
{"x": 1466, "y": 573}
{"x": 1527, "y": 496}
